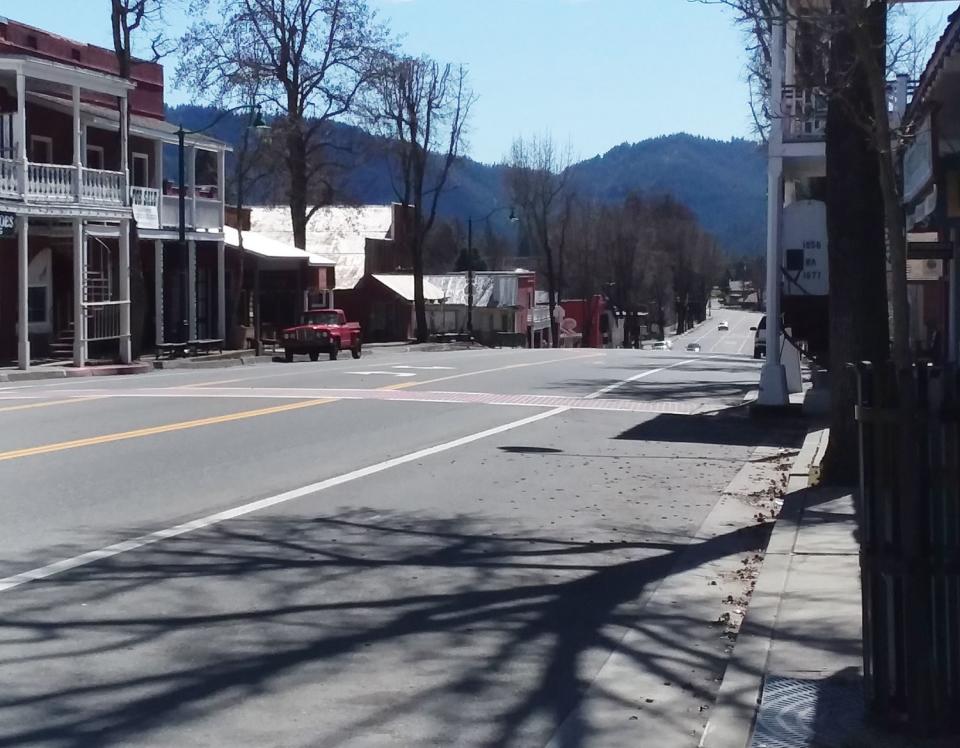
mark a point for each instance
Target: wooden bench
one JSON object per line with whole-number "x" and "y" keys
{"x": 169, "y": 350}
{"x": 190, "y": 348}
{"x": 203, "y": 346}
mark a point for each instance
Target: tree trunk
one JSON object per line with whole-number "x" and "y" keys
{"x": 138, "y": 294}
{"x": 552, "y": 301}
{"x": 857, "y": 252}
{"x": 419, "y": 302}
{"x": 297, "y": 163}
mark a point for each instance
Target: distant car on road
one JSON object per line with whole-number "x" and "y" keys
{"x": 694, "y": 347}
{"x": 760, "y": 339}
{"x": 661, "y": 345}
{"x": 724, "y": 325}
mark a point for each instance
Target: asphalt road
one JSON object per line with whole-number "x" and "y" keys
{"x": 494, "y": 547}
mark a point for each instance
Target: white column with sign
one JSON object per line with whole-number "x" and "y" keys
{"x": 773, "y": 380}
{"x": 806, "y": 259}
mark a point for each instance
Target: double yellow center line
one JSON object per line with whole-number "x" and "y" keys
{"x": 150, "y": 431}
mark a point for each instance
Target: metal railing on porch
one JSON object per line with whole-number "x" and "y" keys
{"x": 103, "y": 319}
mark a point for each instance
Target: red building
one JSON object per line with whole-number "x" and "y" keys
{"x": 72, "y": 181}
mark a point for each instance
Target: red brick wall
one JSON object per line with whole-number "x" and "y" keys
{"x": 146, "y": 99}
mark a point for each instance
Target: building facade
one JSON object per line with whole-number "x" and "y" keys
{"x": 81, "y": 179}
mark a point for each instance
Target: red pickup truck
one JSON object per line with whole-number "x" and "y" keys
{"x": 322, "y": 331}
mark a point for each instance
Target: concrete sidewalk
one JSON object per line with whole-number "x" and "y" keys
{"x": 795, "y": 679}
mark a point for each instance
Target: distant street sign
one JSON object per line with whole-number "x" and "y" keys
{"x": 8, "y": 224}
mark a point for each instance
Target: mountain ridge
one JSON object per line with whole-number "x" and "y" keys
{"x": 722, "y": 182}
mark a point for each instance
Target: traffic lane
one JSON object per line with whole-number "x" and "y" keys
{"x": 102, "y": 413}
{"x": 711, "y": 382}
{"x": 300, "y": 372}
{"x": 507, "y": 571}
{"x": 735, "y": 341}
{"x": 648, "y": 376}
{"x": 65, "y": 502}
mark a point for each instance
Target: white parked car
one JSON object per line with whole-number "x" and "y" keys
{"x": 662, "y": 345}
{"x": 724, "y": 325}
{"x": 694, "y": 347}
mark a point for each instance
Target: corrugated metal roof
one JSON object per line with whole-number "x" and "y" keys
{"x": 264, "y": 246}
{"x": 335, "y": 232}
{"x": 402, "y": 285}
{"x": 489, "y": 289}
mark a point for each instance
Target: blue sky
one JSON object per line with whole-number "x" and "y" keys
{"x": 596, "y": 73}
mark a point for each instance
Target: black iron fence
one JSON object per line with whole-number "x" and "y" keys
{"x": 910, "y": 544}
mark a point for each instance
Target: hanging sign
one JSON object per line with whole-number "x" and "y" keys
{"x": 8, "y": 224}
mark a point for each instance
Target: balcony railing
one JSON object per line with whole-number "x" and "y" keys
{"x": 804, "y": 113}
{"x": 102, "y": 186}
{"x": 207, "y": 214}
{"x": 58, "y": 183}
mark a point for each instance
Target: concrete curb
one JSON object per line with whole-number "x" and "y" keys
{"x": 213, "y": 363}
{"x": 67, "y": 372}
{"x": 734, "y": 713}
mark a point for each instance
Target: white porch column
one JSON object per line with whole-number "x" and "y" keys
{"x": 79, "y": 283}
{"x": 158, "y": 178}
{"x": 191, "y": 289}
{"x": 23, "y": 289}
{"x": 21, "y": 133}
{"x": 222, "y": 185}
{"x": 192, "y": 182}
{"x": 221, "y": 291}
{"x": 125, "y": 148}
{"x": 773, "y": 378}
{"x": 77, "y": 145}
{"x": 158, "y": 290}
{"x": 124, "y": 261}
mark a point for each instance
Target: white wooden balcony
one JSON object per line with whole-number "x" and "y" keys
{"x": 60, "y": 183}
{"x": 804, "y": 114}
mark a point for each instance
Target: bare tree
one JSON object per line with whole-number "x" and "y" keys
{"x": 537, "y": 178}
{"x": 128, "y": 20}
{"x": 421, "y": 107}
{"x": 846, "y": 51}
{"x": 311, "y": 58}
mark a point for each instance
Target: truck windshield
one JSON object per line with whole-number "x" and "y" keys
{"x": 321, "y": 318}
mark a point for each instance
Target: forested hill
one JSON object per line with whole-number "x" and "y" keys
{"x": 723, "y": 182}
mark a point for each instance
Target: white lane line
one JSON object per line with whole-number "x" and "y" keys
{"x": 425, "y": 368}
{"x": 68, "y": 564}
{"x": 634, "y": 378}
{"x": 382, "y": 373}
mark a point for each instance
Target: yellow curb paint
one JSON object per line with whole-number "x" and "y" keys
{"x": 153, "y": 430}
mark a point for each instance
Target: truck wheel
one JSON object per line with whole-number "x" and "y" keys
{"x": 288, "y": 356}
{"x": 334, "y": 351}
{"x": 314, "y": 355}
{"x": 356, "y": 351}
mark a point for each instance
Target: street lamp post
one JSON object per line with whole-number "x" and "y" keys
{"x": 256, "y": 123}
{"x": 513, "y": 219}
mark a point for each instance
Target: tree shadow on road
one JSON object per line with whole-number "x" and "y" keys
{"x": 173, "y": 634}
